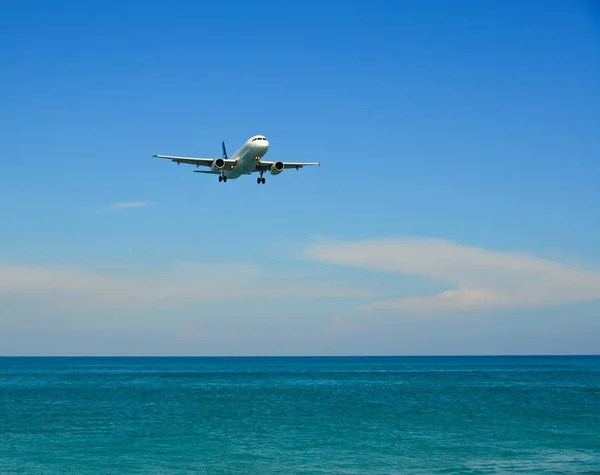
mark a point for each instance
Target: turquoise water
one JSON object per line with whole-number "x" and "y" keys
{"x": 438, "y": 415}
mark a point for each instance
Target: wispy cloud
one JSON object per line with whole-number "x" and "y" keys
{"x": 179, "y": 285}
{"x": 130, "y": 204}
{"x": 477, "y": 278}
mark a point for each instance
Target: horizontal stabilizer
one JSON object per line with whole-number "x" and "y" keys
{"x": 207, "y": 171}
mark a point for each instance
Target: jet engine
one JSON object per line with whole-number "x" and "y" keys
{"x": 276, "y": 168}
{"x": 217, "y": 165}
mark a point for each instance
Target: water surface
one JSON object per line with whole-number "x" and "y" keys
{"x": 363, "y": 415}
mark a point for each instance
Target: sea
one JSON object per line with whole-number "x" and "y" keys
{"x": 300, "y": 415}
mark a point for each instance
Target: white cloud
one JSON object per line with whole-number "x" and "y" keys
{"x": 477, "y": 278}
{"x": 180, "y": 285}
{"x": 130, "y": 204}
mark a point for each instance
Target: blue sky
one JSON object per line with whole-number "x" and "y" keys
{"x": 455, "y": 210}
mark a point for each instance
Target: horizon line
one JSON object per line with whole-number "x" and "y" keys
{"x": 315, "y": 356}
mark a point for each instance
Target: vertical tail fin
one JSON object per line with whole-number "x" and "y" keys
{"x": 224, "y": 151}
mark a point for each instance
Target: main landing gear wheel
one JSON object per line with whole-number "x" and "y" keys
{"x": 260, "y": 180}
{"x": 222, "y": 178}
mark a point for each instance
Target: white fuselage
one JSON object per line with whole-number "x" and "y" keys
{"x": 246, "y": 157}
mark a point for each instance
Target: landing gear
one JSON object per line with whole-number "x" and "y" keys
{"x": 222, "y": 178}
{"x": 260, "y": 179}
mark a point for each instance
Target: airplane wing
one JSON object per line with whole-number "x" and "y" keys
{"x": 207, "y": 162}
{"x": 263, "y": 165}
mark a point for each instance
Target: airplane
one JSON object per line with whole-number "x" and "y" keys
{"x": 247, "y": 160}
